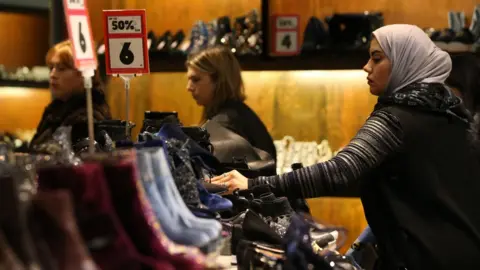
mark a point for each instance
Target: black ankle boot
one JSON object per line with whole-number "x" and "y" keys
{"x": 353, "y": 31}
{"x": 315, "y": 36}
{"x": 153, "y": 121}
{"x": 199, "y": 135}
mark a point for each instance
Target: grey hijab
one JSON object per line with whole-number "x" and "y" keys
{"x": 414, "y": 57}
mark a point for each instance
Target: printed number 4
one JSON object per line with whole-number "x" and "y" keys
{"x": 287, "y": 41}
{"x": 126, "y": 55}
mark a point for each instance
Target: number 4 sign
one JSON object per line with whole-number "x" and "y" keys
{"x": 126, "y": 50}
{"x": 285, "y": 35}
{"x": 80, "y": 34}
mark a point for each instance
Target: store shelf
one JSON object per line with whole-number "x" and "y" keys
{"x": 40, "y": 7}
{"x": 24, "y": 84}
{"x": 321, "y": 60}
{"x": 327, "y": 60}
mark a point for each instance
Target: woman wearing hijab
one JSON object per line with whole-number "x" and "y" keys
{"x": 417, "y": 175}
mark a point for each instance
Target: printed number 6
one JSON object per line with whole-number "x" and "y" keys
{"x": 126, "y": 55}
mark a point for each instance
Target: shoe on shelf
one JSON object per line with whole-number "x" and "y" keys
{"x": 152, "y": 40}
{"x": 315, "y": 36}
{"x": 177, "y": 40}
{"x": 443, "y": 38}
{"x": 164, "y": 42}
{"x": 462, "y": 42}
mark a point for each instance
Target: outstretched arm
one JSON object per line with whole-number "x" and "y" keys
{"x": 380, "y": 137}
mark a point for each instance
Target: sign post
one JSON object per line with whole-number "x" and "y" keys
{"x": 80, "y": 35}
{"x": 126, "y": 48}
{"x": 285, "y": 35}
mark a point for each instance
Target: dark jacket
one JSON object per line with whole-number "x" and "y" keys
{"x": 418, "y": 176}
{"x": 239, "y": 118}
{"x": 423, "y": 201}
{"x": 68, "y": 113}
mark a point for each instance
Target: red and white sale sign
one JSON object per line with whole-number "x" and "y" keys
{"x": 80, "y": 33}
{"x": 126, "y": 48}
{"x": 285, "y": 35}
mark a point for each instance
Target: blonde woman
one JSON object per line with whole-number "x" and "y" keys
{"x": 215, "y": 82}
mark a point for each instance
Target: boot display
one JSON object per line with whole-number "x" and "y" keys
{"x": 353, "y": 31}
{"x": 457, "y": 38}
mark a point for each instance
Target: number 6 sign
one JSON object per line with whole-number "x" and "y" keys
{"x": 80, "y": 34}
{"x": 126, "y": 50}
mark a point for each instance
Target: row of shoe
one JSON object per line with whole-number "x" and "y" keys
{"x": 458, "y": 37}
{"x": 166, "y": 174}
{"x": 36, "y": 74}
{"x": 244, "y": 37}
{"x": 118, "y": 211}
{"x": 269, "y": 234}
{"x": 231, "y": 151}
{"x": 344, "y": 31}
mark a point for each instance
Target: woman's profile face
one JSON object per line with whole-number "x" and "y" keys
{"x": 64, "y": 81}
{"x": 378, "y": 68}
{"x": 201, "y": 86}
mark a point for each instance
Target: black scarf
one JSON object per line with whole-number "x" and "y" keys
{"x": 432, "y": 97}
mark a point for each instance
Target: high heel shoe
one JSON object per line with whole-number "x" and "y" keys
{"x": 164, "y": 42}
{"x": 177, "y": 40}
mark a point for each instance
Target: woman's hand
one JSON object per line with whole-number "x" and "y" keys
{"x": 232, "y": 180}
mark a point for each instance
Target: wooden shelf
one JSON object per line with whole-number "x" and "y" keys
{"x": 25, "y": 84}
{"x": 40, "y": 7}
{"x": 321, "y": 60}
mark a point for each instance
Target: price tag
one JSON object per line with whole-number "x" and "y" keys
{"x": 80, "y": 34}
{"x": 126, "y": 48}
{"x": 285, "y": 35}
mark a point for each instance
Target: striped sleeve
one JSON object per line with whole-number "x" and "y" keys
{"x": 380, "y": 137}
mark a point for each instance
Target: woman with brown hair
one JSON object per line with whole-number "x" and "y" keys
{"x": 69, "y": 100}
{"x": 215, "y": 81}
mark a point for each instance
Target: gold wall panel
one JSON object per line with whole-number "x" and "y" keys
{"x": 23, "y": 39}
{"x": 22, "y": 108}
